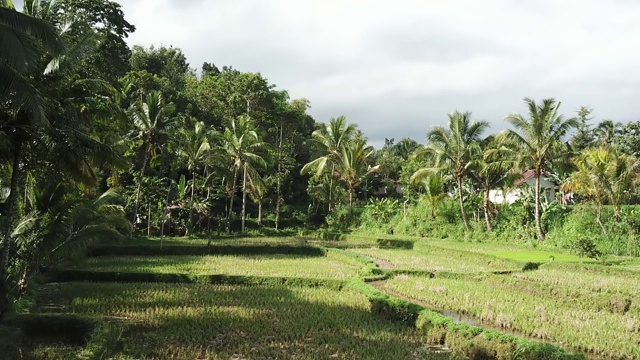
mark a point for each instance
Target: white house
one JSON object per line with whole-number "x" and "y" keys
{"x": 547, "y": 189}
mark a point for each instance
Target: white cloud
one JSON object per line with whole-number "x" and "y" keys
{"x": 397, "y": 67}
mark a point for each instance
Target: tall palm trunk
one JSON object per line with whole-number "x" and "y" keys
{"x": 350, "y": 198}
{"x": 485, "y": 204}
{"x": 462, "y": 212}
{"x": 232, "y": 195}
{"x": 165, "y": 212}
{"x": 260, "y": 213}
{"x": 244, "y": 195}
{"x": 16, "y": 179}
{"x": 278, "y": 184}
{"x": 144, "y": 166}
{"x": 193, "y": 188}
{"x": 331, "y": 185}
{"x": 599, "y": 215}
{"x": 537, "y": 207}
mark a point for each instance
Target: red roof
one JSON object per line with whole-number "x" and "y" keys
{"x": 525, "y": 176}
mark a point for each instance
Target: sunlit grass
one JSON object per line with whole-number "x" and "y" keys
{"x": 586, "y": 321}
{"x": 435, "y": 259}
{"x": 197, "y": 321}
{"x": 334, "y": 265}
{"x": 593, "y": 277}
{"x": 536, "y": 256}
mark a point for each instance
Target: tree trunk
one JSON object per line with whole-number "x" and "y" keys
{"x": 165, "y": 212}
{"x": 149, "y": 220}
{"x": 485, "y": 203}
{"x": 462, "y": 212}
{"x": 350, "y": 199}
{"x": 599, "y": 216}
{"x": 537, "y": 207}
{"x": 244, "y": 195}
{"x": 260, "y": 213}
{"x": 616, "y": 213}
{"x": 233, "y": 192}
{"x": 331, "y": 186}
{"x": 16, "y": 179}
{"x": 278, "y": 184}
{"x": 144, "y": 166}
{"x": 432, "y": 210}
{"x": 193, "y": 187}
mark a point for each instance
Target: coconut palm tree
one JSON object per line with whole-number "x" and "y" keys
{"x": 492, "y": 170}
{"x": 151, "y": 119}
{"x": 591, "y": 177}
{"x": 354, "y": 165}
{"x": 606, "y": 132}
{"x": 453, "y": 150}
{"x": 539, "y": 140}
{"x": 624, "y": 176}
{"x": 258, "y": 193}
{"x": 62, "y": 222}
{"x": 434, "y": 192}
{"x": 25, "y": 41}
{"x": 244, "y": 149}
{"x": 332, "y": 138}
{"x": 194, "y": 147}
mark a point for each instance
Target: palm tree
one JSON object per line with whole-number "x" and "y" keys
{"x": 332, "y": 137}
{"x": 453, "y": 150}
{"x": 492, "y": 170}
{"x": 243, "y": 148}
{"x": 591, "y": 178}
{"x": 539, "y": 141}
{"x": 150, "y": 118}
{"x": 353, "y": 166}
{"x": 606, "y": 132}
{"x": 434, "y": 192}
{"x": 63, "y": 222}
{"x": 258, "y": 193}
{"x": 25, "y": 41}
{"x": 624, "y": 176}
{"x": 194, "y": 147}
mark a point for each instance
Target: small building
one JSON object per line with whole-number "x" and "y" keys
{"x": 547, "y": 189}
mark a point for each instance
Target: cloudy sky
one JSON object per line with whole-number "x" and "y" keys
{"x": 398, "y": 67}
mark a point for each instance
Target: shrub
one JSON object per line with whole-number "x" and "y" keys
{"x": 585, "y": 246}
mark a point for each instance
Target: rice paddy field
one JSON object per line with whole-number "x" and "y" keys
{"x": 333, "y": 265}
{"x": 576, "y": 305}
{"x": 202, "y": 321}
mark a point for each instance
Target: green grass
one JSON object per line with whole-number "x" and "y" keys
{"x": 334, "y": 265}
{"x": 161, "y": 321}
{"x": 536, "y": 256}
{"x": 584, "y": 304}
{"x": 428, "y": 257}
{"x": 348, "y": 241}
{"x": 600, "y": 323}
{"x": 593, "y": 277}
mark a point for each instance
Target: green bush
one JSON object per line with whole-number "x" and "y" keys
{"x": 395, "y": 244}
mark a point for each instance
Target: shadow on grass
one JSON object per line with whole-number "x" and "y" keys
{"x": 192, "y": 321}
{"x": 169, "y": 250}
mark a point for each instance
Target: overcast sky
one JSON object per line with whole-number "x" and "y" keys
{"x": 398, "y": 67}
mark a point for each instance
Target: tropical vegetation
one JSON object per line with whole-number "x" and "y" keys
{"x": 125, "y": 164}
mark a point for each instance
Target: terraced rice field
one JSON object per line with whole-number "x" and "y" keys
{"x": 201, "y": 321}
{"x": 333, "y": 265}
{"x": 325, "y": 315}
